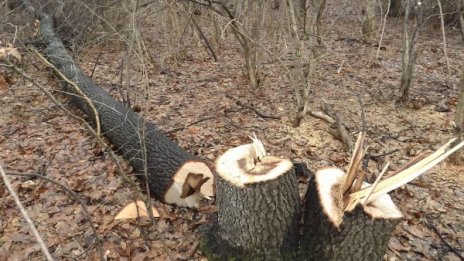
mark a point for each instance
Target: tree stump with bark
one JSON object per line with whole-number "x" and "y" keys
{"x": 258, "y": 202}
{"x": 331, "y": 232}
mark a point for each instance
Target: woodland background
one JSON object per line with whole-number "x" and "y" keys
{"x": 209, "y": 81}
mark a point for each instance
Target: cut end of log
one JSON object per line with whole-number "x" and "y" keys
{"x": 248, "y": 164}
{"x": 192, "y": 183}
{"x": 333, "y": 203}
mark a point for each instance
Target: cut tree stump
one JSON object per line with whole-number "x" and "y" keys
{"x": 173, "y": 175}
{"x": 332, "y": 233}
{"x": 258, "y": 207}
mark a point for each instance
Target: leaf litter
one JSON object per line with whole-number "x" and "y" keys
{"x": 35, "y": 137}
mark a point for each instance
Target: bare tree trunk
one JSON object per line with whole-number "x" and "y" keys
{"x": 250, "y": 64}
{"x": 459, "y": 116}
{"x": 368, "y": 24}
{"x": 303, "y": 7}
{"x": 409, "y": 52}
{"x": 302, "y": 11}
{"x": 114, "y": 15}
{"x": 298, "y": 47}
{"x": 247, "y": 21}
{"x": 396, "y": 7}
{"x": 304, "y": 64}
{"x": 461, "y": 18}
{"x": 319, "y": 21}
{"x": 216, "y": 30}
{"x": 173, "y": 32}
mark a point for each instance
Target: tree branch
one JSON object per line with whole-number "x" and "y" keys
{"x": 25, "y": 215}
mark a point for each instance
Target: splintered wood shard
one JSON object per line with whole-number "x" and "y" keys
{"x": 406, "y": 175}
{"x": 355, "y": 162}
{"x": 331, "y": 233}
{"x": 258, "y": 207}
{"x": 258, "y": 147}
{"x": 249, "y": 164}
{"x": 135, "y": 210}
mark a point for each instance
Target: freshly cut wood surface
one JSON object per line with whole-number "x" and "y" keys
{"x": 135, "y": 210}
{"x": 258, "y": 207}
{"x": 331, "y": 233}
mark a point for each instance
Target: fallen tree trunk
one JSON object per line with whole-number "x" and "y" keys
{"x": 173, "y": 175}
{"x": 258, "y": 202}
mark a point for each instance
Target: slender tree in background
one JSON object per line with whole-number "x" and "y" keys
{"x": 320, "y": 12}
{"x": 246, "y": 19}
{"x": 459, "y": 116}
{"x": 259, "y": 8}
{"x": 460, "y": 5}
{"x": 305, "y": 55}
{"x": 396, "y": 7}
{"x": 409, "y": 43}
{"x": 369, "y": 23}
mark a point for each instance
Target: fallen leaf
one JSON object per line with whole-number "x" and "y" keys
{"x": 3, "y": 84}
{"x": 7, "y": 51}
{"x": 139, "y": 257}
{"x": 134, "y": 210}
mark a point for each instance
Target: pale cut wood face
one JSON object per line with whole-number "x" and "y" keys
{"x": 328, "y": 181}
{"x": 193, "y": 182}
{"x": 246, "y": 165}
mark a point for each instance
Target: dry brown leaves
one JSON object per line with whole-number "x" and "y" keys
{"x": 36, "y": 137}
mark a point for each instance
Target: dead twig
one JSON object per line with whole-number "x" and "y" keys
{"x": 435, "y": 229}
{"x": 342, "y": 133}
{"x": 375, "y": 157}
{"x": 73, "y": 195}
{"x": 208, "y": 45}
{"x": 363, "y": 114}
{"x": 323, "y": 116}
{"x": 193, "y": 249}
{"x": 260, "y": 114}
{"x": 96, "y": 62}
{"x": 190, "y": 124}
{"x": 25, "y": 215}
{"x": 445, "y": 52}
{"x": 82, "y": 121}
{"x": 383, "y": 29}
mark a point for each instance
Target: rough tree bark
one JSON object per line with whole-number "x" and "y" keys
{"x": 258, "y": 202}
{"x": 396, "y": 7}
{"x": 320, "y": 12}
{"x": 332, "y": 233}
{"x": 173, "y": 175}
{"x": 459, "y": 116}
{"x": 368, "y": 24}
{"x": 460, "y": 4}
{"x": 409, "y": 52}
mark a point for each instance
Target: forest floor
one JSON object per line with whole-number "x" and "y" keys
{"x": 194, "y": 101}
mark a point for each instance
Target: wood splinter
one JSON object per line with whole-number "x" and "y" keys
{"x": 332, "y": 233}
{"x": 348, "y": 219}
